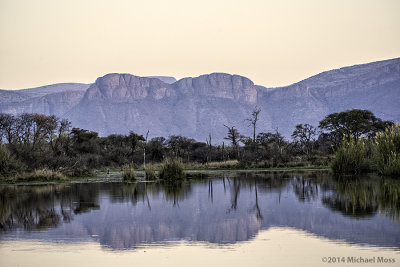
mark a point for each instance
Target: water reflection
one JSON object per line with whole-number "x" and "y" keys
{"x": 360, "y": 198}
{"x": 225, "y": 209}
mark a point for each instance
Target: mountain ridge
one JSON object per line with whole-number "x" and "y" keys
{"x": 198, "y": 106}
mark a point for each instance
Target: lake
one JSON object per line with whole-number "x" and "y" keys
{"x": 308, "y": 218}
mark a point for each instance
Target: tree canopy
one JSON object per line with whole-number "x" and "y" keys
{"x": 352, "y": 124}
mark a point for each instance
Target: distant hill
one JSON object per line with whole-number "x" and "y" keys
{"x": 195, "y": 107}
{"x": 166, "y": 79}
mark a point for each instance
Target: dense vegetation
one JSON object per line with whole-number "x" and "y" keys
{"x": 32, "y": 142}
{"x": 380, "y": 153}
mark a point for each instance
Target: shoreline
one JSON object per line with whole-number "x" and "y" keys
{"x": 115, "y": 175}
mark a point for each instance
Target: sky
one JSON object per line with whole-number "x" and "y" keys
{"x": 274, "y": 43}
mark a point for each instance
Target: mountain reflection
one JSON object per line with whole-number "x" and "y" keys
{"x": 225, "y": 209}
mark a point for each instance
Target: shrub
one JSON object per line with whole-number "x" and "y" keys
{"x": 40, "y": 175}
{"x": 351, "y": 157}
{"x": 4, "y": 159}
{"x": 129, "y": 174}
{"x": 172, "y": 170}
{"x": 387, "y": 151}
{"x": 150, "y": 173}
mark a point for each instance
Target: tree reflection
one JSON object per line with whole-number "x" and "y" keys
{"x": 30, "y": 208}
{"x": 175, "y": 191}
{"x": 305, "y": 188}
{"x": 353, "y": 197}
{"x": 87, "y": 199}
{"x": 361, "y": 197}
{"x": 388, "y": 198}
{"x": 223, "y": 209}
{"x": 235, "y": 191}
{"x": 256, "y": 205}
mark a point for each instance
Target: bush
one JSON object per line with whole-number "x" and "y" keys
{"x": 150, "y": 173}
{"x": 387, "y": 151}
{"x": 40, "y": 175}
{"x": 4, "y": 159}
{"x": 351, "y": 157}
{"x": 172, "y": 170}
{"x": 129, "y": 174}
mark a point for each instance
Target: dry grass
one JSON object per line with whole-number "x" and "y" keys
{"x": 129, "y": 174}
{"x": 229, "y": 164}
{"x": 150, "y": 172}
{"x": 37, "y": 175}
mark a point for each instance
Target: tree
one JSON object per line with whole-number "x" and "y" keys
{"x": 7, "y": 127}
{"x": 4, "y": 159}
{"x": 156, "y": 148}
{"x": 116, "y": 148}
{"x": 209, "y": 150}
{"x": 305, "y": 136}
{"x": 133, "y": 140}
{"x": 60, "y": 145}
{"x": 180, "y": 146}
{"x": 352, "y": 124}
{"x": 253, "y": 121}
{"x": 234, "y": 137}
{"x": 144, "y": 149}
{"x": 84, "y": 141}
{"x": 274, "y": 145}
{"x": 43, "y": 129}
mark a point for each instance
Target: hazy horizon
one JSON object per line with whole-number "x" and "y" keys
{"x": 273, "y": 43}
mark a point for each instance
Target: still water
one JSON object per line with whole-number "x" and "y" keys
{"x": 232, "y": 219}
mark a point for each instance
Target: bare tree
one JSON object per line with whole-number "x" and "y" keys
{"x": 209, "y": 150}
{"x": 253, "y": 121}
{"x": 7, "y": 127}
{"x": 144, "y": 149}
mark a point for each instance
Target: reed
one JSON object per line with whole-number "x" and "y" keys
{"x": 387, "y": 151}
{"x": 129, "y": 174}
{"x": 172, "y": 170}
{"x": 351, "y": 157}
{"x": 150, "y": 172}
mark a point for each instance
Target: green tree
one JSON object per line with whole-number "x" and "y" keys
{"x": 305, "y": 136}
{"x": 180, "y": 145}
{"x": 351, "y": 124}
{"x": 156, "y": 148}
{"x": 4, "y": 159}
{"x": 274, "y": 142}
{"x": 133, "y": 140}
{"x": 234, "y": 137}
{"x": 84, "y": 141}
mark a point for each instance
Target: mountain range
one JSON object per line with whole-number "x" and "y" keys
{"x": 198, "y": 106}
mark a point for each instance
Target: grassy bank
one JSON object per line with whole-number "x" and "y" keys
{"x": 117, "y": 174}
{"x": 41, "y": 175}
{"x": 236, "y": 165}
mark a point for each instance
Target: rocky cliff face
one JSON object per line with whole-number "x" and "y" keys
{"x": 54, "y": 99}
{"x": 374, "y": 86}
{"x": 196, "y": 107}
{"x": 52, "y": 104}
{"x": 191, "y": 106}
{"x": 125, "y": 87}
{"x": 220, "y": 85}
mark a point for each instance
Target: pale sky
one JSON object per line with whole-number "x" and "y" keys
{"x": 273, "y": 43}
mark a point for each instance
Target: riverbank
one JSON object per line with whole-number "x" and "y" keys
{"x": 116, "y": 174}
